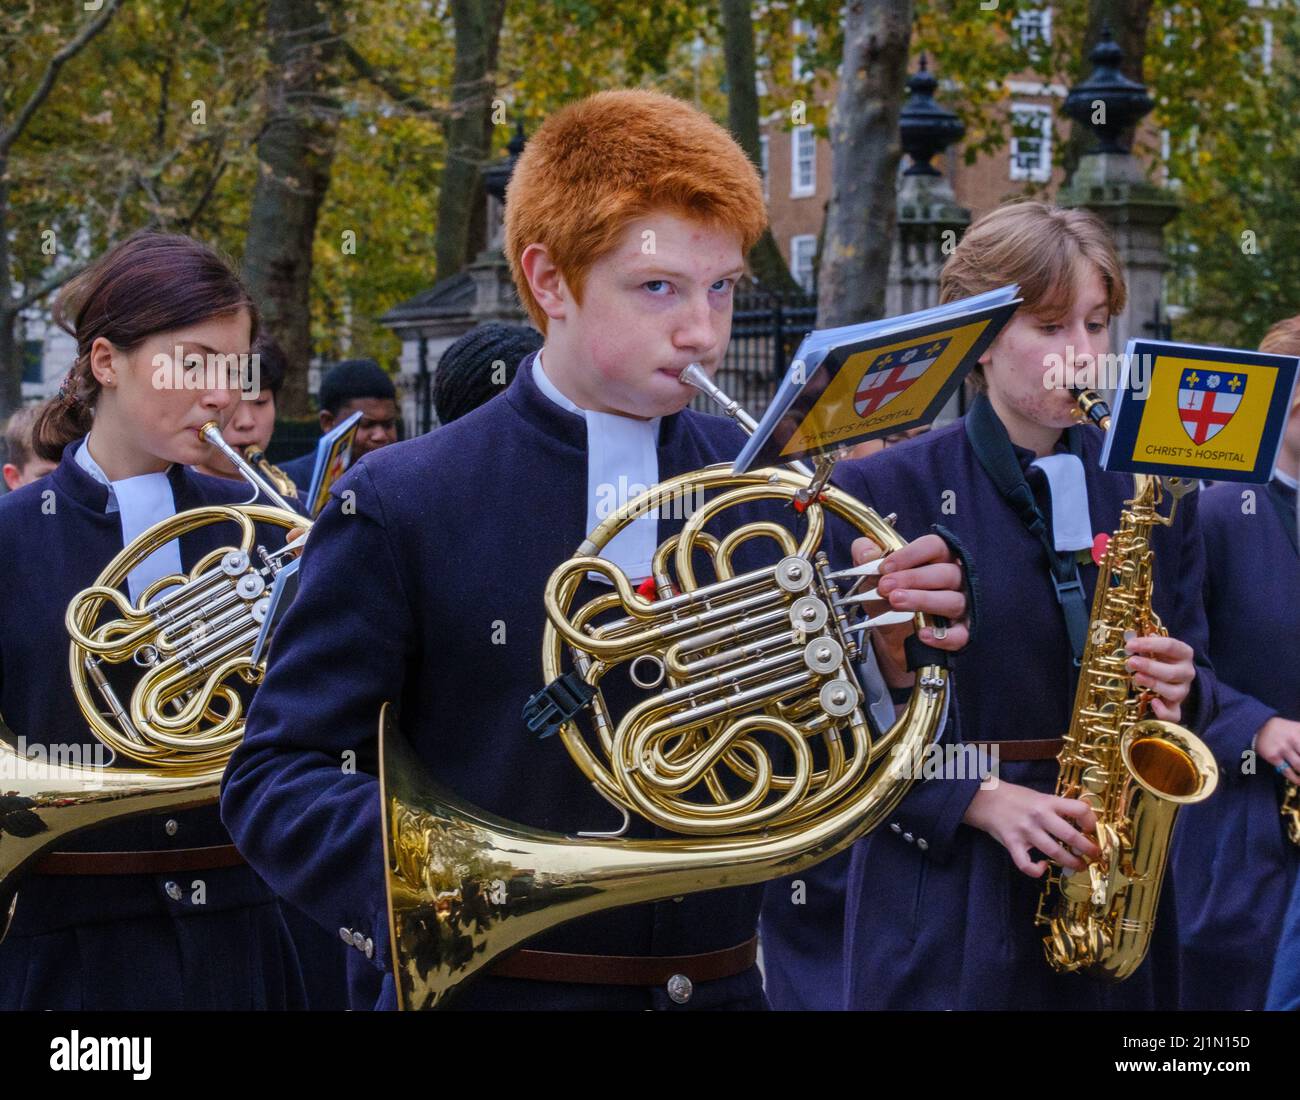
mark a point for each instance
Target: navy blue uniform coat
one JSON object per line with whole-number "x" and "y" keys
{"x": 1234, "y": 866}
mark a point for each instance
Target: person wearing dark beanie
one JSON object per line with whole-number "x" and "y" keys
{"x": 478, "y": 366}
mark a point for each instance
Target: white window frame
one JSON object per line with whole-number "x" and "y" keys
{"x": 800, "y": 189}
{"x": 799, "y": 73}
{"x": 1021, "y": 24}
{"x": 1042, "y": 171}
{"x": 798, "y": 242}
{"x": 765, "y": 163}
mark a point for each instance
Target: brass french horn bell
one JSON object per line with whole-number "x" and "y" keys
{"x": 729, "y": 664}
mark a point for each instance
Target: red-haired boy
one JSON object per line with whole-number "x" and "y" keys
{"x": 627, "y": 222}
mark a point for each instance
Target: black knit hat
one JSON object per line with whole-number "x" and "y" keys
{"x": 465, "y": 377}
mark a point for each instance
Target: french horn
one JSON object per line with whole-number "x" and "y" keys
{"x": 751, "y": 744}
{"x": 192, "y": 640}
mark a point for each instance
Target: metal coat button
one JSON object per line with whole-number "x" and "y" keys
{"x": 680, "y": 989}
{"x": 896, "y": 827}
{"x": 923, "y": 844}
{"x": 370, "y": 948}
{"x": 172, "y": 827}
{"x": 173, "y": 891}
{"x": 907, "y": 837}
{"x": 345, "y": 934}
{"x": 359, "y": 940}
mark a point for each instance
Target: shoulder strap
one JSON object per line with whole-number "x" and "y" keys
{"x": 992, "y": 448}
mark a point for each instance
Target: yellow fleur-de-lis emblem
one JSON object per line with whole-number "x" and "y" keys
{"x": 1234, "y": 384}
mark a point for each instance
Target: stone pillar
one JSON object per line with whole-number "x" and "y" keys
{"x": 930, "y": 223}
{"x": 1113, "y": 186}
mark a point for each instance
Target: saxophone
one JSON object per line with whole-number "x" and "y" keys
{"x": 1291, "y": 812}
{"x": 1134, "y": 771}
{"x": 256, "y": 457}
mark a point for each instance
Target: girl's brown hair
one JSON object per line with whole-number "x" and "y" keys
{"x": 149, "y": 283}
{"x": 1038, "y": 246}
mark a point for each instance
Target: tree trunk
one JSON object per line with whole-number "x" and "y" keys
{"x": 865, "y": 148}
{"x": 11, "y": 367}
{"x": 295, "y": 153}
{"x": 467, "y": 131}
{"x": 1128, "y": 21}
{"x": 765, "y": 261}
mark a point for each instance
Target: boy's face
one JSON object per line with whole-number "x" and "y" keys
{"x": 377, "y": 427}
{"x": 655, "y": 303}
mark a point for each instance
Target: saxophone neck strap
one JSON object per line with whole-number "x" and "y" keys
{"x": 992, "y": 447}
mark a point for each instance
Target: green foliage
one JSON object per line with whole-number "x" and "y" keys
{"x": 114, "y": 147}
{"x": 1234, "y": 161}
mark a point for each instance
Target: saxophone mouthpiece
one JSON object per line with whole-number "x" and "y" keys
{"x": 1092, "y": 406}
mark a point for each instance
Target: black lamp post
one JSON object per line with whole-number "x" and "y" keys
{"x": 926, "y": 128}
{"x": 1123, "y": 101}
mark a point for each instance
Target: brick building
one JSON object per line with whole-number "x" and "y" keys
{"x": 797, "y": 162}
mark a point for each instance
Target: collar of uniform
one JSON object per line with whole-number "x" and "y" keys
{"x": 72, "y": 480}
{"x": 1286, "y": 479}
{"x": 183, "y": 491}
{"x": 622, "y": 462}
{"x": 1026, "y": 457}
{"x": 550, "y": 389}
{"x": 539, "y": 411}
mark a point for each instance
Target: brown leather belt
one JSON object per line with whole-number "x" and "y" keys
{"x": 1013, "y": 751}
{"x": 138, "y": 863}
{"x": 556, "y": 966}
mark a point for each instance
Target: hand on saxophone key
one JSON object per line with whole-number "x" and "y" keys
{"x": 1020, "y": 818}
{"x": 1163, "y": 666}
{"x": 1278, "y": 742}
{"x": 922, "y": 576}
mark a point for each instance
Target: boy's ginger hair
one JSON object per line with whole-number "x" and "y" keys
{"x": 602, "y": 162}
